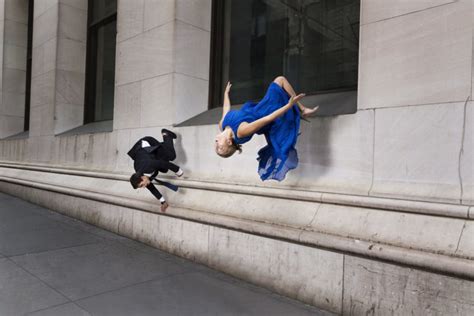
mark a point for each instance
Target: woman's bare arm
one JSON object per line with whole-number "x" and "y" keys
{"x": 226, "y": 104}
{"x": 247, "y": 129}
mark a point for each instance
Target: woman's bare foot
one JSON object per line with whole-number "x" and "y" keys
{"x": 308, "y": 112}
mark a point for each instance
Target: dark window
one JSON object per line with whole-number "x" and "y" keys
{"x": 315, "y": 44}
{"x": 29, "y": 54}
{"x": 100, "y": 70}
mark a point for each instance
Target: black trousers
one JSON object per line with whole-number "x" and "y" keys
{"x": 159, "y": 160}
{"x": 166, "y": 151}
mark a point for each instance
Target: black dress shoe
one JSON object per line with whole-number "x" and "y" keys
{"x": 170, "y": 133}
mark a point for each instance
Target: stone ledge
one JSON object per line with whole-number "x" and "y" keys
{"x": 426, "y": 260}
{"x": 390, "y": 204}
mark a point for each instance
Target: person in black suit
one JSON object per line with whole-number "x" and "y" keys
{"x": 150, "y": 157}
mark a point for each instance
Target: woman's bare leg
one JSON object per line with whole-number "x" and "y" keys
{"x": 285, "y": 84}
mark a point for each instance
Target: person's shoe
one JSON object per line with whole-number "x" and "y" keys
{"x": 170, "y": 133}
{"x": 180, "y": 172}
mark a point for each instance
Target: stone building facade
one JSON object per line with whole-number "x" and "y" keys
{"x": 379, "y": 215}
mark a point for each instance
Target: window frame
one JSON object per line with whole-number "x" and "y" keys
{"x": 29, "y": 60}
{"x": 91, "y": 61}
{"x": 216, "y": 65}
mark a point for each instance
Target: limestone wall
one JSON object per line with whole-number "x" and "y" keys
{"x": 411, "y": 137}
{"x": 14, "y": 35}
{"x": 397, "y": 174}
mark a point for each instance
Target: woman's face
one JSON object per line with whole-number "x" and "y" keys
{"x": 222, "y": 143}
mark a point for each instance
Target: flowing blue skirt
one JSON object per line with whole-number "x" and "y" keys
{"x": 279, "y": 155}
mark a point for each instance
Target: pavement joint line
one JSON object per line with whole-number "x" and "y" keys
{"x": 54, "y": 306}
{"x": 40, "y": 280}
{"x": 63, "y": 219}
{"x": 243, "y": 284}
{"x": 132, "y": 285}
{"x": 51, "y": 250}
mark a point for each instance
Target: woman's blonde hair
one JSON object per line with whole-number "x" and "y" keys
{"x": 233, "y": 148}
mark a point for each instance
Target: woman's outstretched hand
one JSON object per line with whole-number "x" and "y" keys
{"x": 227, "y": 88}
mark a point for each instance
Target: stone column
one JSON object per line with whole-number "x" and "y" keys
{"x": 70, "y": 65}
{"x": 162, "y": 69}
{"x": 14, "y": 22}
{"x": 58, "y": 73}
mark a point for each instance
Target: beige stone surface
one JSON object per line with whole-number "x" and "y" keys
{"x": 13, "y": 104}
{"x": 158, "y": 51}
{"x": 406, "y": 230}
{"x": 128, "y": 61}
{"x": 42, "y": 6}
{"x": 44, "y": 59}
{"x": 123, "y": 161}
{"x": 14, "y": 80}
{"x": 466, "y": 241}
{"x": 417, "y": 152}
{"x": 335, "y": 153}
{"x": 419, "y": 58}
{"x": 467, "y": 157}
{"x": 157, "y": 102}
{"x": 190, "y": 96}
{"x": 43, "y": 89}
{"x": 10, "y": 125}
{"x": 41, "y": 123}
{"x": 72, "y": 23}
{"x": 15, "y": 33}
{"x": 127, "y": 106}
{"x": 17, "y": 10}
{"x": 377, "y": 288}
{"x": 67, "y": 116}
{"x": 146, "y": 55}
{"x": 195, "y": 12}
{"x": 130, "y": 16}
{"x": 252, "y": 207}
{"x": 79, "y": 4}
{"x": 46, "y": 24}
{"x": 158, "y": 12}
{"x": 375, "y": 10}
{"x": 14, "y": 57}
{"x": 70, "y": 87}
{"x": 184, "y": 238}
{"x": 308, "y": 274}
{"x": 192, "y": 51}
{"x": 71, "y": 55}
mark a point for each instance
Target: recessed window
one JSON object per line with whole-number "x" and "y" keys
{"x": 29, "y": 55}
{"x": 315, "y": 44}
{"x": 100, "y": 71}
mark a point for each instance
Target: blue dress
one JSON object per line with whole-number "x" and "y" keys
{"x": 279, "y": 155}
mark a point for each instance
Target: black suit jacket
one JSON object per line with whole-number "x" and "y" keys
{"x": 140, "y": 154}
{"x": 135, "y": 150}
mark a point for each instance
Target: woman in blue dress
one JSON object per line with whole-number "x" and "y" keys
{"x": 276, "y": 116}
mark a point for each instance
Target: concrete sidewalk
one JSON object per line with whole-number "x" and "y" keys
{"x": 51, "y": 264}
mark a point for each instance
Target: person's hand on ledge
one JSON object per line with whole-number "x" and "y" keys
{"x": 164, "y": 207}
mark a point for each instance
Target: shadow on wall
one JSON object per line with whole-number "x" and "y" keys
{"x": 314, "y": 148}
{"x": 181, "y": 157}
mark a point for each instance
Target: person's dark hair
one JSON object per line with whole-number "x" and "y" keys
{"x": 135, "y": 180}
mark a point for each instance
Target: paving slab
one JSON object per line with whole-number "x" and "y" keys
{"x": 190, "y": 294}
{"x": 26, "y": 223}
{"x": 84, "y": 271}
{"x": 56, "y": 265}
{"x": 69, "y": 309}
{"x": 34, "y": 241}
{"x": 20, "y": 292}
